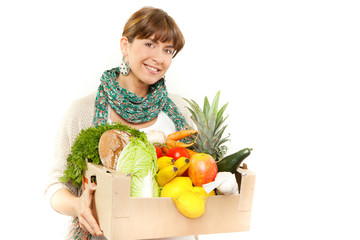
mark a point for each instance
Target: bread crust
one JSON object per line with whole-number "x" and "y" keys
{"x": 111, "y": 144}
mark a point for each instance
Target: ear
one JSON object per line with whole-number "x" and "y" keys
{"x": 124, "y": 44}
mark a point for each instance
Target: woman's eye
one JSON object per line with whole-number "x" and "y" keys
{"x": 169, "y": 51}
{"x": 149, "y": 44}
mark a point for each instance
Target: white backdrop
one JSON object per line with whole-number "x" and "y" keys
{"x": 289, "y": 70}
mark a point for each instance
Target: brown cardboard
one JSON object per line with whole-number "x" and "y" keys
{"x": 122, "y": 217}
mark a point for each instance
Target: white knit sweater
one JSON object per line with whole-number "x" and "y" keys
{"x": 80, "y": 115}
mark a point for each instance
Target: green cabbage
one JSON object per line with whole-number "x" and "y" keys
{"x": 138, "y": 158}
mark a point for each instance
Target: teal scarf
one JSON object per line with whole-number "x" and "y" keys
{"x": 132, "y": 108}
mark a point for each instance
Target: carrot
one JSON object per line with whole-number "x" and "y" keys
{"x": 172, "y": 143}
{"x": 181, "y": 134}
{"x": 165, "y": 149}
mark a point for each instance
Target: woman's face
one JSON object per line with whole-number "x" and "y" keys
{"x": 148, "y": 59}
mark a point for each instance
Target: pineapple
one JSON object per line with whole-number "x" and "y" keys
{"x": 210, "y": 124}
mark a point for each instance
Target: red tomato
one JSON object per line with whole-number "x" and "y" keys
{"x": 202, "y": 169}
{"x": 159, "y": 152}
{"x": 177, "y": 152}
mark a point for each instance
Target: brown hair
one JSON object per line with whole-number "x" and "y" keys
{"x": 149, "y": 21}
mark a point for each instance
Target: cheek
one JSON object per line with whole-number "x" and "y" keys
{"x": 137, "y": 54}
{"x": 135, "y": 59}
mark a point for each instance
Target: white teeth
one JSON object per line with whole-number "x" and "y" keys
{"x": 152, "y": 69}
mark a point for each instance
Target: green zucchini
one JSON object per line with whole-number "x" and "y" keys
{"x": 232, "y": 162}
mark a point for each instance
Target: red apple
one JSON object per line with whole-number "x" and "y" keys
{"x": 202, "y": 169}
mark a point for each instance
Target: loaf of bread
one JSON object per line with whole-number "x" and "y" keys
{"x": 111, "y": 144}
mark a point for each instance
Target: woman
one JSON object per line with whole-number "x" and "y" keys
{"x": 133, "y": 94}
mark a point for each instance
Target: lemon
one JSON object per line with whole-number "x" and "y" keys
{"x": 202, "y": 193}
{"x": 212, "y": 193}
{"x": 189, "y": 204}
{"x": 173, "y": 188}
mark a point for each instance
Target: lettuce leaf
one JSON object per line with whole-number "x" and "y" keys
{"x": 139, "y": 159}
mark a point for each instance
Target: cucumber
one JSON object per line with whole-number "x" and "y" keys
{"x": 232, "y": 162}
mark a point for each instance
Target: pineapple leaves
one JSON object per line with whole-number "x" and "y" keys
{"x": 206, "y": 106}
{"x": 210, "y": 124}
{"x": 197, "y": 114}
{"x": 221, "y": 112}
{"x": 215, "y": 103}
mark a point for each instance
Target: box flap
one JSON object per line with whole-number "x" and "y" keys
{"x": 247, "y": 186}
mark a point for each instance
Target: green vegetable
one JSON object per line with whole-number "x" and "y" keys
{"x": 139, "y": 159}
{"x": 232, "y": 162}
{"x": 86, "y": 146}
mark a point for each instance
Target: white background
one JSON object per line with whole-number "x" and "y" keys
{"x": 289, "y": 70}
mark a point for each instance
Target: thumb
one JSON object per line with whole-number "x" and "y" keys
{"x": 89, "y": 194}
{"x": 92, "y": 188}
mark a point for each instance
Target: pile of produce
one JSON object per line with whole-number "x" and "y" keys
{"x": 190, "y": 183}
{"x": 185, "y": 165}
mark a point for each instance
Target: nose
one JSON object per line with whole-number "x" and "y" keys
{"x": 158, "y": 56}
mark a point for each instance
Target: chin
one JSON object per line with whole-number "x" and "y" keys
{"x": 151, "y": 81}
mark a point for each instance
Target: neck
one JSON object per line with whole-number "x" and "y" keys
{"x": 133, "y": 84}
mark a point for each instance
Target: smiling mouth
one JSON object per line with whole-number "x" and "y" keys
{"x": 152, "y": 69}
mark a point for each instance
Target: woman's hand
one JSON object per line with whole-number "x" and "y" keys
{"x": 85, "y": 215}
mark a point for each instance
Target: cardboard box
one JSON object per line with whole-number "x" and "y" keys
{"x": 123, "y": 217}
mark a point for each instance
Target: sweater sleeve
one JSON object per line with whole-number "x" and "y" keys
{"x": 79, "y": 116}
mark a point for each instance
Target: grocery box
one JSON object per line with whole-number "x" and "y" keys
{"x": 123, "y": 217}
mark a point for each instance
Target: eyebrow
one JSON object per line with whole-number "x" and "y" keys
{"x": 168, "y": 46}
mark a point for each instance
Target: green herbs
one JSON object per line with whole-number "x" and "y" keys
{"x": 86, "y": 147}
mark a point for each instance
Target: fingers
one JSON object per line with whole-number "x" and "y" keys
{"x": 88, "y": 195}
{"x": 86, "y": 218}
{"x": 88, "y": 222}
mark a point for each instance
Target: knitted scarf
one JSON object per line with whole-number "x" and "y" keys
{"x": 131, "y": 107}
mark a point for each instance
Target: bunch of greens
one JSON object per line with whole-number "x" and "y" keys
{"x": 86, "y": 146}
